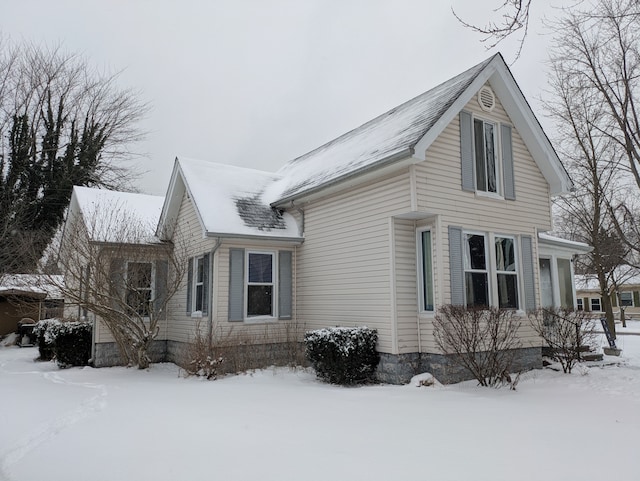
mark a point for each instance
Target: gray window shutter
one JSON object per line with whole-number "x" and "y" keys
{"x": 528, "y": 278}
{"x": 507, "y": 162}
{"x": 636, "y": 299}
{"x": 236, "y": 284}
{"x": 466, "y": 151}
{"x": 205, "y": 283}
{"x": 285, "y": 284}
{"x": 456, "y": 266}
{"x": 117, "y": 279}
{"x": 160, "y": 294}
{"x": 189, "y": 284}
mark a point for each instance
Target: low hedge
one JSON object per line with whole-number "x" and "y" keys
{"x": 343, "y": 355}
{"x": 69, "y": 343}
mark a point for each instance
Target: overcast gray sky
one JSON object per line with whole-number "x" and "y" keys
{"x": 258, "y": 82}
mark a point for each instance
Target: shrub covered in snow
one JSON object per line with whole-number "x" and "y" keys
{"x": 343, "y": 355}
{"x": 46, "y": 332}
{"x": 69, "y": 343}
{"x": 73, "y": 344}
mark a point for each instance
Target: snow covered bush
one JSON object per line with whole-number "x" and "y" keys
{"x": 482, "y": 341}
{"x": 343, "y": 355}
{"x": 73, "y": 344}
{"x": 69, "y": 343}
{"x": 565, "y": 332}
{"x": 46, "y": 332}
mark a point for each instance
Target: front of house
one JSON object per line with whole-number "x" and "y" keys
{"x": 443, "y": 200}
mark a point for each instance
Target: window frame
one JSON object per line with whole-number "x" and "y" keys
{"x": 497, "y": 155}
{"x": 491, "y": 267}
{"x": 598, "y": 300}
{"x": 273, "y": 284}
{"x": 622, "y": 301}
{"x": 420, "y": 270}
{"x": 516, "y": 272}
{"x": 195, "y": 260}
{"x": 466, "y": 265}
{"x": 579, "y": 304}
{"x": 150, "y": 289}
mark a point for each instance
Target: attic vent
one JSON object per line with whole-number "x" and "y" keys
{"x": 486, "y": 99}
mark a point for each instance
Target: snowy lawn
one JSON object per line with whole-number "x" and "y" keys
{"x": 122, "y": 424}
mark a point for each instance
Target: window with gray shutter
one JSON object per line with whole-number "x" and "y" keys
{"x": 507, "y": 162}
{"x": 466, "y": 151}
{"x": 189, "y": 284}
{"x": 456, "y": 266}
{"x": 285, "y": 284}
{"x": 528, "y": 277}
{"x": 236, "y": 284}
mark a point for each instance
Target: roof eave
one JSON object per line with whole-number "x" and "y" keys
{"x": 228, "y": 235}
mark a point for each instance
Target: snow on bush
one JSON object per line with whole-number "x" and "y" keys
{"x": 343, "y": 355}
{"x": 46, "y": 332}
{"x": 69, "y": 343}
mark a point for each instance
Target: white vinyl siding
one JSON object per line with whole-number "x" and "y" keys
{"x": 345, "y": 266}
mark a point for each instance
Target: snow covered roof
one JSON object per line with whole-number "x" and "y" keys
{"x": 112, "y": 216}
{"x": 235, "y": 201}
{"x": 554, "y": 241}
{"x": 391, "y": 134}
{"x": 227, "y": 200}
{"x": 31, "y": 284}
{"x": 406, "y": 131}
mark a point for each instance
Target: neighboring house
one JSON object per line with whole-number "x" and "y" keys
{"x": 109, "y": 240}
{"x": 444, "y": 199}
{"x": 28, "y": 296}
{"x": 589, "y": 296}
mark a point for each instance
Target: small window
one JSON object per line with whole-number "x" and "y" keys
{"x": 506, "y": 272}
{"x": 476, "y": 275}
{"x": 486, "y": 163}
{"x": 260, "y": 284}
{"x": 626, "y": 299}
{"x": 139, "y": 282}
{"x": 426, "y": 271}
{"x": 579, "y": 304}
{"x": 596, "y": 305}
{"x": 199, "y": 284}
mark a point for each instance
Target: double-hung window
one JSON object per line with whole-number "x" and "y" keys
{"x": 425, "y": 243}
{"x": 506, "y": 273}
{"x": 260, "y": 284}
{"x": 626, "y": 299}
{"x": 198, "y": 285}
{"x": 139, "y": 287}
{"x": 476, "y": 273}
{"x": 486, "y": 162}
{"x": 596, "y": 305}
{"x": 485, "y": 269}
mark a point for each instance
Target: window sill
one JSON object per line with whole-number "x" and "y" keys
{"x": 488, "y": 195}
{"x": 196, "y": 314}
{"x": 260, "y": 320}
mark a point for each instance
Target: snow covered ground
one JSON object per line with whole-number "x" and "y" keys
{"x": 122, "y": 424}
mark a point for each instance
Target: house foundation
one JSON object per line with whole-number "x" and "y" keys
{"x": 400, "y": 368}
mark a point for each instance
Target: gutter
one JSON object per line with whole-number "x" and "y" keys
{"x": 403, "y": 154}
{"x": 295, "y": 240}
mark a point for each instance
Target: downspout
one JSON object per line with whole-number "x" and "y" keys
{"x": 300, "y": 211}
{"x": 211, "y": 284}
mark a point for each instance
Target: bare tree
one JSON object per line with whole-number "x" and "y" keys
{"x": 565, "y": 332}
{"x": 62, "y": 123}
{"x": 116, "y": 271}
{"x": 514, "y": 19}
{"x": 482, "y": 341}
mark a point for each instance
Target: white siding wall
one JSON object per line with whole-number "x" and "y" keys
{"x": 181, "y": 326}
{"x": 344, "y": 265}
{"x": 439, "y": 190}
